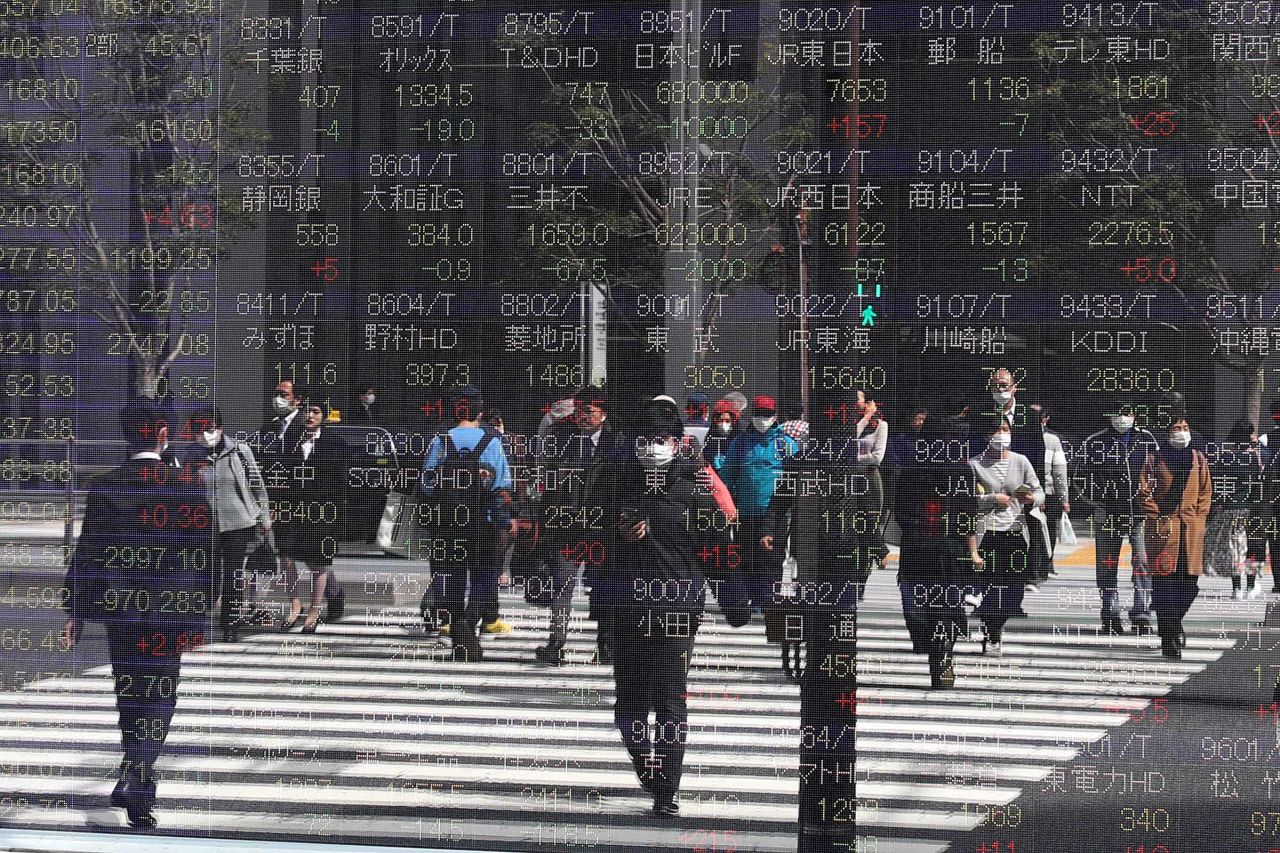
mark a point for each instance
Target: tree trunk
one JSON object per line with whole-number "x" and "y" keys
{"x": 1253, "y": 397}
{"x": 146, "y": 377}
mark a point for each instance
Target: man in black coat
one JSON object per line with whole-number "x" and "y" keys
{"x": 143, "y": 566}
{"x": 665, "y": 531}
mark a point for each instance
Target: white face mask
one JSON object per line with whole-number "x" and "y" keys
{"x": 1002, "y": 396}
{"x": 1180, "y": 439}
{"x": 1000, "y": 442}
{"x": 656, "y": 455}
{"x": 210, "y": 438}
{"x": 1122, "y": 423}
{"x": 725, "y": 428}
{"x": 763, "y": 424}
{"x": 281, "y": 405}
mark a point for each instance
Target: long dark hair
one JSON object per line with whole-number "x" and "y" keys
{"x": 1241, "y": 431}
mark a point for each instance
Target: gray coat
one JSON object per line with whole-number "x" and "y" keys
{"x": 236, "y": 489}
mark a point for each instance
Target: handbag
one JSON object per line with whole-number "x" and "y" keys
{"x": 399, "y": 524}
{"x": 1067, "y": 533}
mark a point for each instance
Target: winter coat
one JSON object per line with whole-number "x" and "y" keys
{"x": 752, "y": 467}
{"x": 1107, "y": 471}
{"x": 1175, "y": 521}
{"x": 235, "y": 486}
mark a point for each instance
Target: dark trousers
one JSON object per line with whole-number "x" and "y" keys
{"x": 1007, "y": 568}
{"x": 564, "y": 579}
{"x": 934, "y": 613}
{"x": 1171, "y": 598}
{"x": 231, "y": 548}
{"x": 465, "y": 586}
{"x": 503, "y": 545}
{"x": 650, "y": 667}
{"x": 761, "y": 569}
{"x": 1053, "y": 515}
{"x": 145, "y": 669}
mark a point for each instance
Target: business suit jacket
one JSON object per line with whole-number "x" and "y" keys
{"x": 271, "y": 447}
{"x": 575, "y": 480}
{"x": 310, "y": 508}
{"x": 145, "y": 552}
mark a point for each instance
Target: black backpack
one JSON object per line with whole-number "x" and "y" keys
{"x": 460, "y": 495}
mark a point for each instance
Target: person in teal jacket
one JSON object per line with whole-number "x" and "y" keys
{"x": 751, "y": 469}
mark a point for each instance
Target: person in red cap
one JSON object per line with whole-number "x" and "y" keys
{"x": 724, "y": 428}
{"x": 752, "y": 466}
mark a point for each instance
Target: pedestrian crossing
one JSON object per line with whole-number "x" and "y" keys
{"x": 366, "y": 732}
{"x": 1060, "y": 690}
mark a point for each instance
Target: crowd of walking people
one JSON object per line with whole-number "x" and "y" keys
{"x": 651, "y": 508}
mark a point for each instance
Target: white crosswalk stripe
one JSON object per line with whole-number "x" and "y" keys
{"x": 1061, "y": 689}
{"x": 369, "y": 732}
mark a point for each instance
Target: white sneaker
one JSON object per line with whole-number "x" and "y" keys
{"x": 1256, "y": 591}
{"x": 1238, "y": 593}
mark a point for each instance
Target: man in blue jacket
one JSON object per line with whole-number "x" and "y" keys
{"x": 467, "y": 457}
{"x": 143, "y": 566}
{"x": 752, "y": 466}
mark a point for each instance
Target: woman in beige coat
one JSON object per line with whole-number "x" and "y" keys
{"x": 1175, "y": 491}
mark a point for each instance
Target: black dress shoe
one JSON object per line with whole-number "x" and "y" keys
{"x": 1112, "y": 625}
{"x": 942, "y": 674}
{"x": 550, "y": 655}
{"x": 337, "y": 605}
{"x": 140, "y": 816}
{"x": 1169, "y": 648}
{"x": 137, "y": 801}
{"x": 665, "y": 805}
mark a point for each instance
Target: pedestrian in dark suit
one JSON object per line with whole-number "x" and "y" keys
{"x": 308, "y": 517}
{"x": 143, "y": 566}
{"x": 366, "y": 411}
{"x": 572, "y": 530}
{"x": 280, "y": 435}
